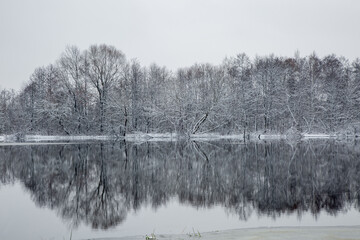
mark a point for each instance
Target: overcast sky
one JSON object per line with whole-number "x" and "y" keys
{"x": 174, "y": 33}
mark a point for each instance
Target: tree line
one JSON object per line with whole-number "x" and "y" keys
{"x": 99, "y": 91}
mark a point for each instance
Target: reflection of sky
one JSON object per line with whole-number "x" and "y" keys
{"x": 21, "y": 219}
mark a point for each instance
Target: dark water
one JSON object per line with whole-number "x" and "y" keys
{"x": 129, "y": 188}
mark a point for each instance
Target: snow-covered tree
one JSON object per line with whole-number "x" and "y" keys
{"x": 105, "y": 65}
{"x": 98, "y": 91}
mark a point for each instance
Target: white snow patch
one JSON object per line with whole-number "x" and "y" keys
{"x": 310, "y": 233}
{"x": 39, "y": 138}
{"x": 7, "y": 138}
{"x": 151, "y": 136}
{"x": 174, "y": 137}
{"x": 35, "y": 143}
{"x": 215, "y": 136}
{"x": 317, "y": 135}
{"x": 42, "y": 139}
{"x": 272, "y": 136}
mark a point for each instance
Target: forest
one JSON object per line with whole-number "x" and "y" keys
{"x": 99, "y": 91}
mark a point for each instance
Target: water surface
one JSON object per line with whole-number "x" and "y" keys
{"x": 114, "y": 189}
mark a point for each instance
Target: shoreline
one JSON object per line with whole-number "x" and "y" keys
{"x": 309, "y": 233}
{"x": 158, "y": 137}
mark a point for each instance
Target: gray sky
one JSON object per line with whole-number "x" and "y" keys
{"x": 174, "y": 33}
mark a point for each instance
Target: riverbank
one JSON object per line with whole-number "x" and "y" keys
{"x": 308, "y": 233}
{"x": 144, "y": 137}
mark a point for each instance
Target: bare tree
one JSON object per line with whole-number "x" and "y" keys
{"x": 105, "y": 68}
{"x": 98, "y": 91}
{"x": 73, "y": 65}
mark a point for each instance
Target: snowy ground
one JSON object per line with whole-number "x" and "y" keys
{"x": 318, "y": 135}
{"x": 134, "y": 137}
{"x": 174, "y": 136}
{"x": 39, "y": 138}
{"x": 308, "y": 233}
{"x": 144, "y": 137}
{"x": 45, "y": 138}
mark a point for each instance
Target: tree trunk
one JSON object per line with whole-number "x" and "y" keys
{"x": 198, "y": 123}
{"x": 126, "y": 121}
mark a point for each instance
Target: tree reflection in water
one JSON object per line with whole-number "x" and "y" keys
{"x": 99, "y": 183}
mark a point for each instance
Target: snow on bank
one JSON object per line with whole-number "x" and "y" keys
{"x": 309, "y": 233}
{"x": 40, "y": 138}
{"x": 214, "y": 136}
{"x": 157, "y": 137}
{"x": 128, "y": 137}
{"x": 317, "y": 135}
{"x": 175, "y": 137}
{"x": 271, "y": 136}
{"x": 43, "y": 138}
{"x": 134, "y": 137}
